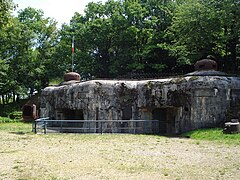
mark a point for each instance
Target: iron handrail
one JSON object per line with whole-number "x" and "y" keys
{"x": 44, "y": 123}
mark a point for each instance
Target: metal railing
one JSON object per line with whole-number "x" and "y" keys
{"x": 46, "y": 125}
{"x": 40, "y": 124}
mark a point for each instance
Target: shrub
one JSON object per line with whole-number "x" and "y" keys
{"x": 15, "y": 115}
{"x": 8, "y": 120}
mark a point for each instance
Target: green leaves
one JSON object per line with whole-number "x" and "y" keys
{"x": 6, "y": 6}
{"x": 204, "y": 27}
{"x": 119, "y": 37}
{"x": 27, "y": 44}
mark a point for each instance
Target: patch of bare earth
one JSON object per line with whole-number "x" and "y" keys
{"x": 78, "y": 156}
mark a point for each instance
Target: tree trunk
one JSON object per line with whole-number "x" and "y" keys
{"x": 3, "y": 100}
{"x": 14, "y": 100}
{"x": 17, "y": 99}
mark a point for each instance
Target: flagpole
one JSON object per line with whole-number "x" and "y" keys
{"x": 72, "y": 53}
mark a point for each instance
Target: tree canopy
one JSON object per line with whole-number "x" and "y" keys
{"x": 115, "y": 38}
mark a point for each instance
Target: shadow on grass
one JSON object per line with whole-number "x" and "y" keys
{"x": 19, "y": 133}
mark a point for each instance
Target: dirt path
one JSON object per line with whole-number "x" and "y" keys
{"x": 69, "y": 156}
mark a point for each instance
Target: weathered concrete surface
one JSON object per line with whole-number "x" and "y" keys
{"x": 180, "y": 104}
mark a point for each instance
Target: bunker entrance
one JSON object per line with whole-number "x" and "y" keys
{"x": 69, "y": 114}
{"x": 166, "y": 118}
{"x": 73, "y": 114}
{"x": 126, "y": 115}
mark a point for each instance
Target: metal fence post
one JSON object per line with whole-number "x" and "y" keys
{"x": 61, "y": 126}
{"x": 35, "y": 127}
{"x": 134, "y": 127}
{"x": 44, "y": 126}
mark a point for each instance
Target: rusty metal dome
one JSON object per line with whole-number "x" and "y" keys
{"x": 71, "y": 76}
{"x": 205, "y": 64}
{"x": 206, "y": 67}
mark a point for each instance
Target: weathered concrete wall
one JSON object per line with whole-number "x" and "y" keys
{"x": 180, "y": 104}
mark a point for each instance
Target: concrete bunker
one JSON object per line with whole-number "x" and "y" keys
{"x": 172, "y": 105}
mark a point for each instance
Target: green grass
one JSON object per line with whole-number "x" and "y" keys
{"x": 214, "y": 134}
{"x": 16, "y": 127}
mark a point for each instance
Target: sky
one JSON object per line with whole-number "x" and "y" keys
{"x": 61, "y": 10}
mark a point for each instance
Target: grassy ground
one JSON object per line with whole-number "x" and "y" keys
{"x": 216, "y": 135}
{"x": 24, "y": 155}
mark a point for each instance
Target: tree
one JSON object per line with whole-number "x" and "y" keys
{"x": 118, "y": 37}
{"x": 6, "y": 21}
{"x": 6, "y": 6}
{"x": 61, "y": 58}
{"x": 228, "y": 12}
{"x": 36, "y": 46}
{"x": 202, "y": 28}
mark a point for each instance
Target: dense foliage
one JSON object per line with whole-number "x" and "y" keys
{"x": 115, "y": 38}
{"x": 27, "y": 45}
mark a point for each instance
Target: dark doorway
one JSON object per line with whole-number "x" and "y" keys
{"x": 126, "y": 115}
{"x": 127, "y": 112}
{"x": 73, "y": 114}
{"x": 161, "y": 115}
{"x": 29, "y": 112}
{"x": 166, "y": 118}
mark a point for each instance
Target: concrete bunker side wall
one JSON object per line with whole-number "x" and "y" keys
{"x": 180, "y": 104}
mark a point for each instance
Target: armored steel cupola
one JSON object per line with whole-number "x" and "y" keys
{"x": 71, "y": 76}
{"x": 206, "y": 67}
{"x": 205, "y": 64}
